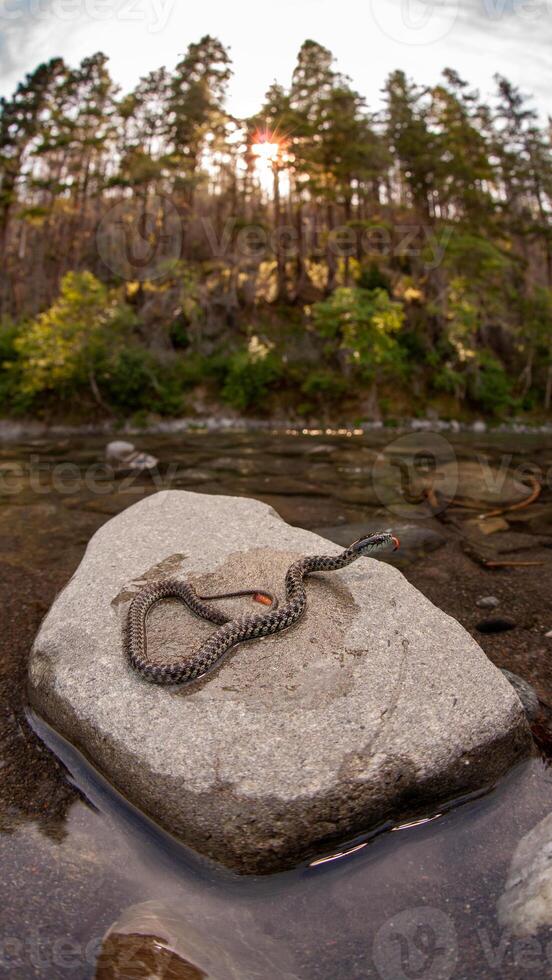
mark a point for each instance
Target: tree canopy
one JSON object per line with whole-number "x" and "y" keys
{"x": 411, "y": 240}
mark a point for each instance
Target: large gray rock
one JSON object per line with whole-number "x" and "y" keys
{"x": 375, "y": 706}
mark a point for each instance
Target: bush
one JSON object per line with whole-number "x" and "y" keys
{"x": 62, "y": 349}
{"x": 12, "y": 400}
{"x": 325, "y": 385}
{"x": 137, "y": 381}
{"x": 489, "y": 387}
{"x": 362, "y": 324}
{"x": 371, "y": 277}
{"x": 250, "y": 374}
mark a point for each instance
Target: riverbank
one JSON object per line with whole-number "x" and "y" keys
{"x": 18, "y": 430}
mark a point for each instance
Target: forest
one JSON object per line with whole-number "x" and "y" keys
{"x": 324, "y": 259}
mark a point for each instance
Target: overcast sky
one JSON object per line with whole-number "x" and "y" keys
{"x": 369, "y": 38}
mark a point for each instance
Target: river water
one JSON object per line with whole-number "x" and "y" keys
{"x": 78, "y": 862}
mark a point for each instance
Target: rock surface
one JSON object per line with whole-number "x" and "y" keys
{"x": 525, "y": 692}
{"x": 159, "y": 937}
{"x": 375, "y": 706}
{"x": 526, "y": 903}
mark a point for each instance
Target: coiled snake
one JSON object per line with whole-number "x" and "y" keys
{"x": 232, "y": 631}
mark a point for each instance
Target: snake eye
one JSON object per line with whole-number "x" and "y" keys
{"x": 363, "y": 543}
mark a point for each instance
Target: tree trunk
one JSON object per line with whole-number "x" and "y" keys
{"x": 548, "y": 394}
{"x": 281, "y": 285}
{"x": 331, "y": 257}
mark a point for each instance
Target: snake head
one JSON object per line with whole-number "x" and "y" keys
{"x": 375, "y": 542}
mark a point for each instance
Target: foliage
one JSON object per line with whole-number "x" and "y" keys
{"x": 251, "y": 373}
{"x": 64, "y": 346}
{"x": 489, "y": 387}
{"x": 413, "y": 242}
{"x": 137, "y": 381}
{"x": 362, "y": 324}
{"x": 324, "y": 385}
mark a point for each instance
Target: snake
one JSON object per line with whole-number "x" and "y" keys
{"x": 230, "y": 631}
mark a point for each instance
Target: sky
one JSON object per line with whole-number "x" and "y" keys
{"x": 369, "y": 39}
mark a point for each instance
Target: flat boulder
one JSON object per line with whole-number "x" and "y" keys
{"x": 375, "y": 707}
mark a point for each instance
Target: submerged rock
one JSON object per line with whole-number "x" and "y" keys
{"x": 156, "y": 939}
{"x": 375, "y": 706}
{"x": 526, "y": 903}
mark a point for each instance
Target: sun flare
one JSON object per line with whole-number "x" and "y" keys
{"x": 266, "y": 152}
{"x": 269, "y": 149}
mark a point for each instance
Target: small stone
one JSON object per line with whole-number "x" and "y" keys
{"x": 525, "y": 692}
{"x": 549, "y": 635}
{"x": 479, "y": 426}
{"x": 492, "y": 525}
{"x": 496, "y": 625}
{"x": 488, "y": 602}
{"x": 124, "y": 456}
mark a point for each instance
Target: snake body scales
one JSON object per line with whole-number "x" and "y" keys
{"x": 231, "y": 631}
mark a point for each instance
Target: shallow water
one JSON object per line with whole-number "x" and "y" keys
{"x": 418, "y": 902}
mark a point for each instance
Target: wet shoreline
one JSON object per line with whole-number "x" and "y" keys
{"x": 13, "y": 431}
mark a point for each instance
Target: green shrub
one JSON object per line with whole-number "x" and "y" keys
{"x": 363, "y": 325}
{"x": 371, "y": 277}
{"x": 13, "y": 401}
{"x": 489, "y": 386}
{"x": 250, "y": 374}
{"x": 324, "y": 385}
{"x": 62, "y": 350}
{"x": 137, "y": 381}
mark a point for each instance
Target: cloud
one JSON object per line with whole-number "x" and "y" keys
{"x": 27, "y": 29}
{"x": 476, "y": 37}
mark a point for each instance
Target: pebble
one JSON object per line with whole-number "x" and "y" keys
{"x": 495, "y": 625}
{"x": 487, "y": 602}
{"x": 124, "y": 456}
